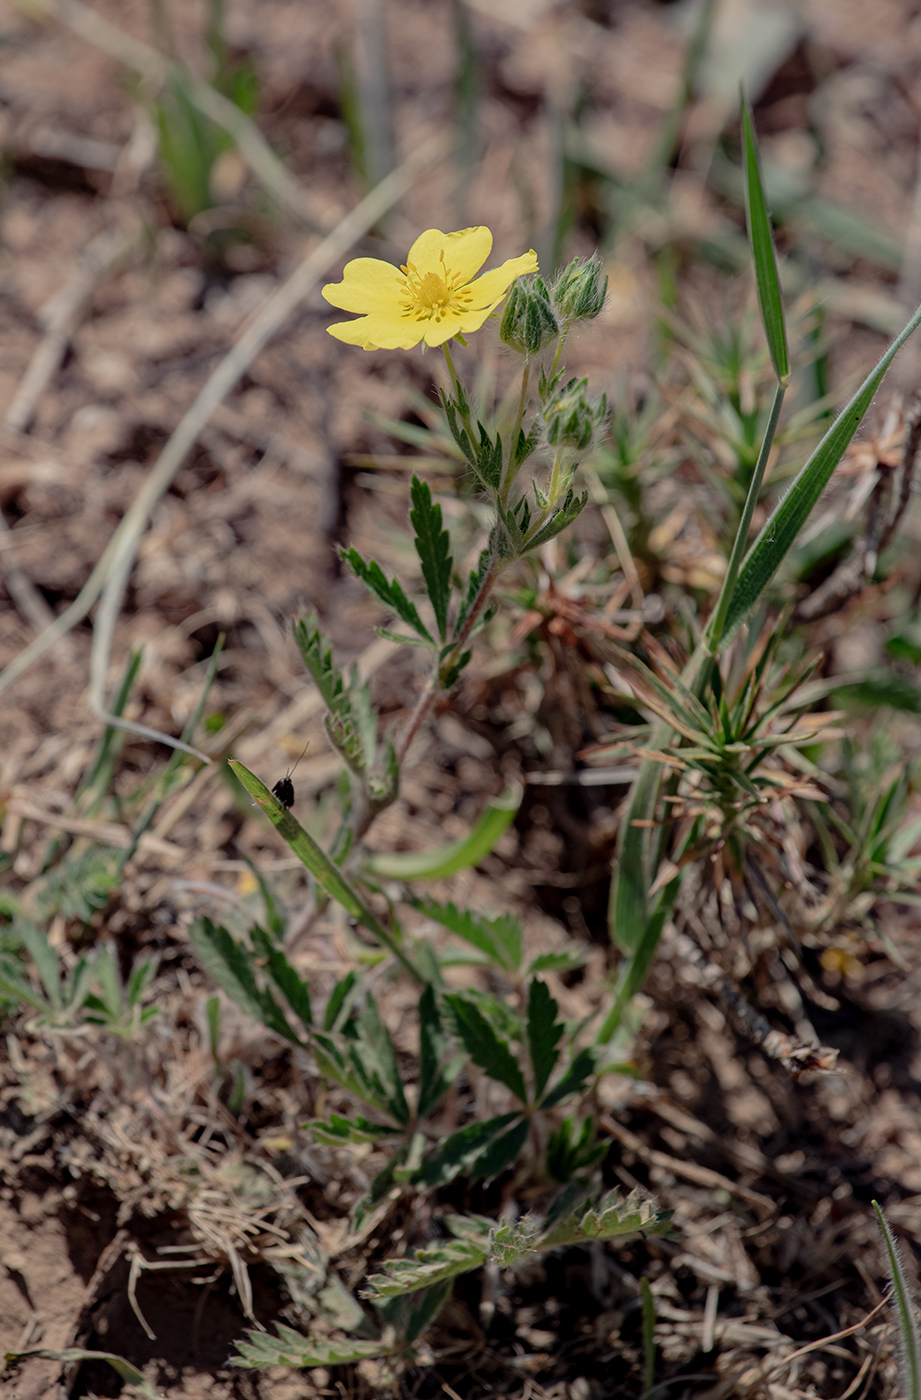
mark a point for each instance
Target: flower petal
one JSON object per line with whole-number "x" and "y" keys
{"x": 379, "y": 332}
{"x": 455, "y": 323}
{"x": 368, "y": 284}
{"x": 489, "y": 289}
{"x": 465, "y": 252}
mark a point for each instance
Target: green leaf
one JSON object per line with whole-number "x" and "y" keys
{"x": 350, "y": 722}
{"x": 70, "y": 1356}
{"x": 231, "y": 967}
{"x": 456, "y": 855}
{"x": 761, "y": 240}
{"x": 432, "y": 545}
{"x": 339, "y": 1130}
{"x": 428, "y": 1267}
{"x": 484, "y": 1046}
{"x": 500, "y": 939}
{"x": 341, "y": 1001}
{"x": 575, "y": 1078}
{"x": 435, "y": 1075}
{"x": 390, "y": 594}
{"x": 319, "y": 864}
{"x": 427, "y": 1309}
{"x": 292, "y": 1348}
{"x": 373, "y": 1052}
{"x": 474, "y": 584}
{"x": 564, "y": 961}
{"x": 910, "y": 1354}
{"x": 790, "y": 515}
{"x": 288, "y": 981}
{"x": 571, "y": 507}
{"x": 455, "y": 1154}
{"x": 500, "y": 1153}
{"x": 544, "y": 1034}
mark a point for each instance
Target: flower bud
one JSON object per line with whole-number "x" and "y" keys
{"x": 578, "y": 293}
{"x": 528, "y": 319}
{"x": 571, "y": 418}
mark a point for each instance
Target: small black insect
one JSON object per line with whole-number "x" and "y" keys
{"x": 284, "y": 788}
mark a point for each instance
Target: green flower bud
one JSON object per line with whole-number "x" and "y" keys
{"x": 571, "y": 418}
{"x": 578, "y": 293}
{"x": 528, "y": 319}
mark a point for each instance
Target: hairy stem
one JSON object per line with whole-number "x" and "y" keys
{"x": 427, "y": 698}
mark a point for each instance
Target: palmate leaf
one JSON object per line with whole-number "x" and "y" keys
{"x": 432, "y": 545}
{"x": 484, "y": 1046}
{"x": 390, "y": 594}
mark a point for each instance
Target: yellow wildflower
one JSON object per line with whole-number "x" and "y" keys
{"x": 431, "y": 298}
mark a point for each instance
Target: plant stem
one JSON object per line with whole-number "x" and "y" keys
{"x": 427, "y": 698}
{"x": 717, "y": 622}
{"x": 459, "y": 393}
{"x": 513, "y": 441}
{"x": 559, "y": 353}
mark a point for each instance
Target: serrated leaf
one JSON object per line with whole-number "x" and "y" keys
{"x": 432, "y": 545}
{"x": 761, "y": 239}
{"x": 390, "y": 594}
{"x": 428, "y": 1267}
{"x": 288, "y": 981}
{"x": 292, "y": 1348}
{"x": 500, "y": 939}
{"x": 231, "y": 967}
{"x": 571, "y": 507}
{"x": 474, "y": 584}
{"x": 484, "y": 1046}
{"x": 374, "y": 1054}
{"x": 435, "y": 1074}
{"x": 575, "y": 1078}
{"x": 456, "y": 1153}
{"x": 500, "y": 1153}
{"x": 544, "y": 1034}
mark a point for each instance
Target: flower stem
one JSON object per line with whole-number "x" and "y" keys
{"x": 513, "y": 442}
{"x": 459, "y": 392}
{"x": 559, "y": 353}
{"x": 427, "y": 698}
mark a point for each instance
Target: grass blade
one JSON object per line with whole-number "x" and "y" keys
{"x": 456, "y": 855}
{"x": 319, "y": 864}
{"x": 762, "y": 246}
{"x": 781, "y": 530}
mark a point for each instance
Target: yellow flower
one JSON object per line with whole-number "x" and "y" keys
{"x": 432, "y": 298}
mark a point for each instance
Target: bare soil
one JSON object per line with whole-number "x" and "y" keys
{"x": 112, "y": 1152}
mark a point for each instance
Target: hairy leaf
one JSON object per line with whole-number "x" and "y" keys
{"x": 432, "y": 545}
{"x": 484, "y": 1046}
{"x": 544, "y": 1034}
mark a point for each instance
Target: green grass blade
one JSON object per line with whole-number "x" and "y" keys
{"x": 457, "y": 855}
{"x": 910, "y": 1351}
{"x": 319, "y": 864}
{"x": 781, "y": 530}
{"x": 762, "y": 245}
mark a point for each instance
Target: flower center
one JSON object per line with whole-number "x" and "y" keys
{"x": 431, "y": 291}
{"x": 430, "y": 295}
